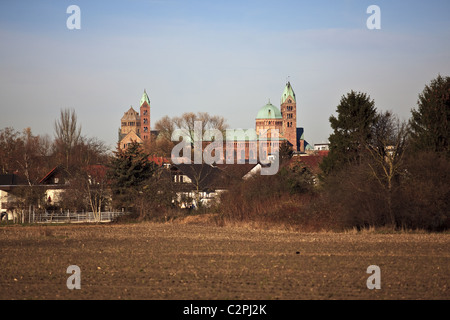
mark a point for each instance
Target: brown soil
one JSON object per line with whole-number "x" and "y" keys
{"x": 185, "y": 261}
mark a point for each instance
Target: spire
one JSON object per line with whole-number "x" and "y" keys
{"x": 145, "y": 98}
{"x": 288, "y": 91}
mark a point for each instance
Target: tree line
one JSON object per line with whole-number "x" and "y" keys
{"x": 380, "y": 171}
{"x": 96, "y": 179}
{"x": 33, "y": 156}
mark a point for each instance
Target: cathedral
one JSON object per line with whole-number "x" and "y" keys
{"x": 284, "y": 120}
{"x": 135, "y": 126}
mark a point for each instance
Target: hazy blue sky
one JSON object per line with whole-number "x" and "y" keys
{"x": 224, "y": 57}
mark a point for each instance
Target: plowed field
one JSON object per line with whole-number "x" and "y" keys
{"x": 170, "y": 261}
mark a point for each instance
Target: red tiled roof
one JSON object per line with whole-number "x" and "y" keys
{"x": 48, "y": 174}
{"x": 311, "y": 161}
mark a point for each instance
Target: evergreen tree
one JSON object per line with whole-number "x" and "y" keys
{"x": 129, "y": 171}
{"x": 352, "y": 129}
{"x": 430, "y": 123}
{"x": 285, "y": 152}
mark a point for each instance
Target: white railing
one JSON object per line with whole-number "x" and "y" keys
{"x": 74, "y": 217}
{"x": 61, "y": 217}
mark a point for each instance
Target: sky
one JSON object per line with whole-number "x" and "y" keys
{"x": 227, "y": 58}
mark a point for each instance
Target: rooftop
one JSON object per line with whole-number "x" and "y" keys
{"x": 269, "y": 111}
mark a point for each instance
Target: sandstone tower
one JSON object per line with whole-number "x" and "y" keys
{"x": 289, "y": 112}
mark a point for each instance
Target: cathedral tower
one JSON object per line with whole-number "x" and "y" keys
{"x": 289, "y": 112}
{"x": 145, "y": 117}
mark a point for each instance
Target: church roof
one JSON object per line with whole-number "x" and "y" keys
{"x": 145, "y": 98}
{"x": 269, "y": 111}
{"x": 288, "y": 91}
{"x": 131, "y": 136}
{"x": 130, "y": 115}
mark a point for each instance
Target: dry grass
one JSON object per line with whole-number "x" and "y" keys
{"x": 191, "y": 259}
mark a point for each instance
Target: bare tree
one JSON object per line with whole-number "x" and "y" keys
{"x": 31, "y": 159}
{"x": 67, "y": 132}
{"x": 165, "y": 127}
{"x": 186, "y": 123}
{"x": 203, "y": 177}
{"x": 96, "y": 189}
{"x": 88, "y": 184}
{"x": 8, "y": 150}
{"x": 26, "y": 155}
{"x": 387, "y": 149}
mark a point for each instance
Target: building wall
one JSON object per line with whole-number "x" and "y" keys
{"x": 145, "y": 121}
{"x": 269, "y": 125}
{"x": 3, "y": 200}
{"x": 131, "y": 121}
{"x": 7, "y": 200}
{"x": 321, "y": 146}
{"x": 289, "y": 112}
{"x": 53, "y": 196}
{"x": 129, "y": 138}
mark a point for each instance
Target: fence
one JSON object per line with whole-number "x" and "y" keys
{"x": 61, "y": 217}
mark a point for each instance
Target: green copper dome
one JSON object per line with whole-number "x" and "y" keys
{"x": 288, "y": 91}
{"x": 145, "y": 98}
{"x": 269, "y": 111}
